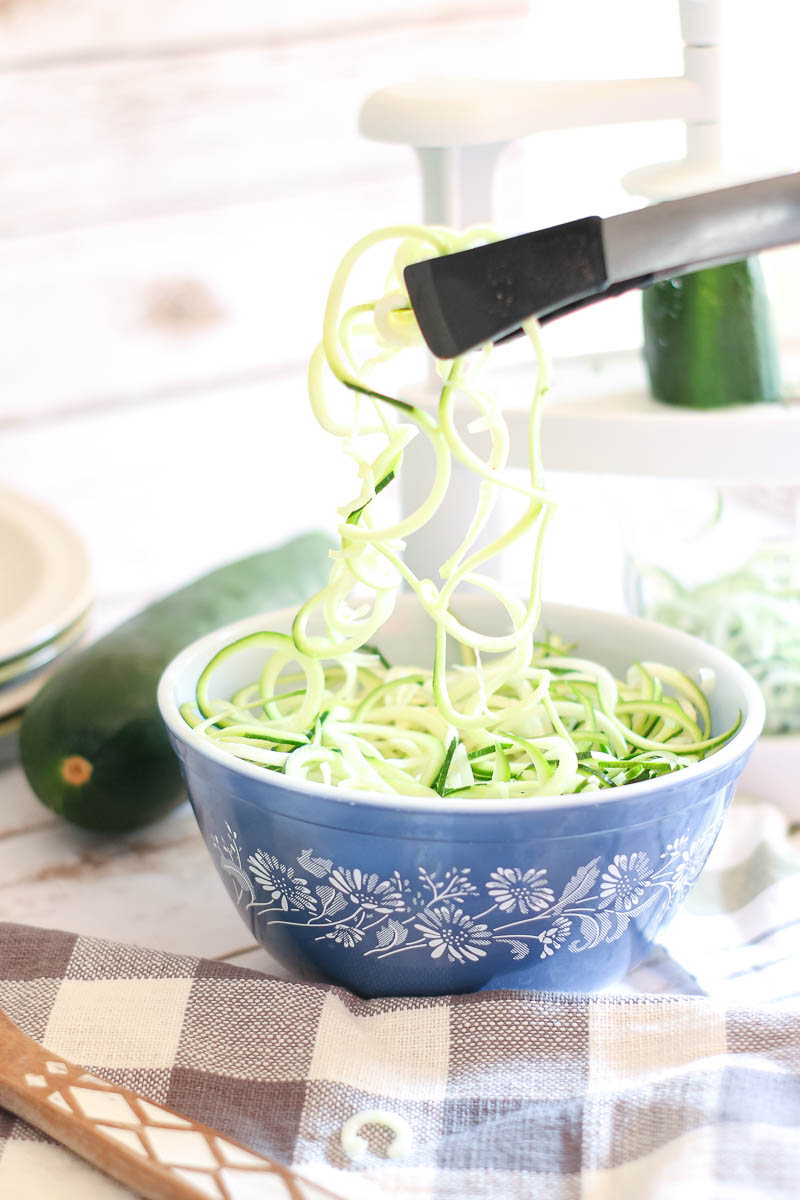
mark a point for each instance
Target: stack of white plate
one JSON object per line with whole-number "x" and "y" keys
{"x": 45, "y": 593}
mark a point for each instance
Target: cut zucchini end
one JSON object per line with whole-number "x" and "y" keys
{"x": 75, "y": 770}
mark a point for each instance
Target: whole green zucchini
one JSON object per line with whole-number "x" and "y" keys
{"x": 92, "y": 742}
{"x": 709, "y": 341}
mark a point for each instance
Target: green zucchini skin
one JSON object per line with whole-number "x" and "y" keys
{"x": 101, "y": 706}
{"x": 709, "y": 340}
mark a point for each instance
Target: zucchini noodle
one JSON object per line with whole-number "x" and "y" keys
{"x": 517, "y": 717}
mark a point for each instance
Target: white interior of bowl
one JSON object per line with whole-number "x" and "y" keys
{"x": 615, "y": 640}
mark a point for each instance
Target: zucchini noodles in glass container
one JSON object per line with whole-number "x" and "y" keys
{"x": 517, "y": 714}
{"x": 733, "y": 579}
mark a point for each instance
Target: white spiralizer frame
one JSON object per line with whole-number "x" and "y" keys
{"x": 458, "y": 129}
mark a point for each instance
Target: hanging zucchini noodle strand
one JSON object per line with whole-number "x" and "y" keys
{"x": 516, "y": 717}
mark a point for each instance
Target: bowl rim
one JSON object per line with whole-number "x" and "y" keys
{"x": 203, "y": 648}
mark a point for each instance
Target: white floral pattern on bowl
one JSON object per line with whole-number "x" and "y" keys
{"x": 452, "y": 917}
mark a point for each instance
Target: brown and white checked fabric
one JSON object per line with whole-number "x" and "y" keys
{"x": 509, "y": 1094}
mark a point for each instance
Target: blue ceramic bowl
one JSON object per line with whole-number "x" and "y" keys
{"x": 411, "y": 896}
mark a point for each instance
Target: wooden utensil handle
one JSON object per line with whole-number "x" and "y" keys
{"x": 158, "y": 1153}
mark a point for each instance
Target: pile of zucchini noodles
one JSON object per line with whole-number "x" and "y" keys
{"x": 517, "y": 717}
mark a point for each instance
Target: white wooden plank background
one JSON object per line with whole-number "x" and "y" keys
{"x": 146, "y": 307}
{"x": 109, "y": 138}
{"x": 153, "y": 209}
{"x": 47, "y": 30}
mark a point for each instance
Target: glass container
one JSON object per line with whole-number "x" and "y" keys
{"x": 724, "y": 563}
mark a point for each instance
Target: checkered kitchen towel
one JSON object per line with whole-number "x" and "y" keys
{"x": 509, "y": 1094}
